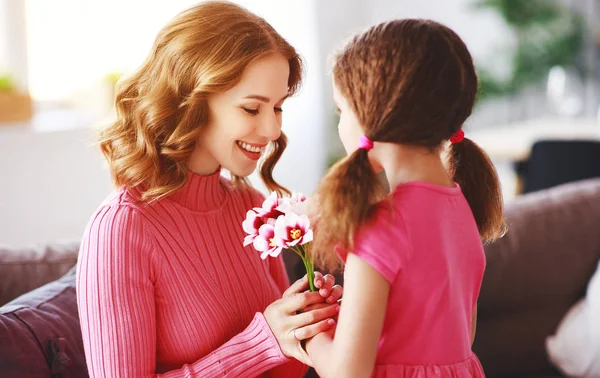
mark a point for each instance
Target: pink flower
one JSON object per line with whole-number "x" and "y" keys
{"x": 251, "y": 226}
{"x": 298, "y": 197}
{"x": 267, "y": 243}
{"x": 296, "y": 204}
{"x": 293, "y": 229}
{"x": 269, "y": 211}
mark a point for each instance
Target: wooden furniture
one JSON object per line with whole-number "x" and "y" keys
{"x": 15, "y": 107}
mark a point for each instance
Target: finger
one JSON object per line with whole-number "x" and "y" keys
{"x": 329, "y": 282}
{"x": 335, "y": 294}
{"x": 315, "y": 307}
{"x": 319, "y": 280}
{"x": 309, "y": 331}
{"x": 299, "y": 301}
{"x": 315, "y": 316}
{"x": 297, "y": 287}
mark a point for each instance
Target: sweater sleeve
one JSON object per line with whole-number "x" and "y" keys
{"x": 278, "y": 272}
{"x": 117, "y": 270}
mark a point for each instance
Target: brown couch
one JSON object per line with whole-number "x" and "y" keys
{"x": 533, "y": 276}
{"x": 39, "y": 331}
{"x": 27, "y": 268}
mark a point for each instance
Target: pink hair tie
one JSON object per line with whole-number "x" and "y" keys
{"x": 365, "y": 143}
{"x": 457, "y": 137}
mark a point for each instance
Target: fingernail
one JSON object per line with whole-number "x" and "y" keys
{"x": 331, "y": 299}
{"x": 323, "y": 292}
{"x": 319, "y": 284}
{"x": 337, "y": 309}
{"x": 331, "y": 322}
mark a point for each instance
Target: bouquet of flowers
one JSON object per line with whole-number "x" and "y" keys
{"x": 281, "y": 223}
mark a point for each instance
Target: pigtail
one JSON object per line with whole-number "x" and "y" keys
{"x": 344, "y": 201}
{"x": 473, "y": 170}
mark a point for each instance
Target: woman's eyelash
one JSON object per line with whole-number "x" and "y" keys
{"x": 251, "y": 111}
{"x": 255, "y": 111}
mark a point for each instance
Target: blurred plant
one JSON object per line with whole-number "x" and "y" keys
{"x": 7, "y": 83}
{"x": 113, "y": 77}
{"x": 547, "y": 35}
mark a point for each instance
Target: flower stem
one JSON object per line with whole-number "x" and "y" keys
{"x": 308, "y": 265}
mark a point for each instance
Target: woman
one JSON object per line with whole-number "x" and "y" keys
{"x": 165, "y": 287}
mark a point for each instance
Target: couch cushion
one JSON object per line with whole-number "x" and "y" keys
{"x": 549, "y": 253}
{"x": 20, "y": 352}
{"x": 42, "y": 333}
{"x": 535, "y": 274}
{"x": 27, "y": 268}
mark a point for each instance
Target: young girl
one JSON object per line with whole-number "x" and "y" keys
{"x": 414, "y": 261}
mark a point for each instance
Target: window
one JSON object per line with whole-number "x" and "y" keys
{"x": 75, "y": 45}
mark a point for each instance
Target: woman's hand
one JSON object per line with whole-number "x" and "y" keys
{"x": 291, "y": 327}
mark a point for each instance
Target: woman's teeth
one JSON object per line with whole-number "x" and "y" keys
{"x": 249, "y": 148}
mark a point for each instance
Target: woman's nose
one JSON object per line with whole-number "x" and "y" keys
{"x": 270, "y": 127}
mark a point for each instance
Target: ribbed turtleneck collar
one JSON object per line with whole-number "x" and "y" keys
{"x": 202, "y": 193}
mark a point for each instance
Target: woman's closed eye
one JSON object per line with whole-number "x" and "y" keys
{"x": 255, "y": 111}
{"x": 251, "y": 111}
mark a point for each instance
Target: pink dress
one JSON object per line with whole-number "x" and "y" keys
{"x": 428, "y": 248}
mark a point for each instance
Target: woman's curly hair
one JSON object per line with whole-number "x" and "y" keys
{"x": 162, "y": 108}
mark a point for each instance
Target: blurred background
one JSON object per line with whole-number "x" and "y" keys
{"x": 537, "y": 115}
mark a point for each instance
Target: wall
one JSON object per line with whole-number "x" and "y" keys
{"x": 51, "y": 183}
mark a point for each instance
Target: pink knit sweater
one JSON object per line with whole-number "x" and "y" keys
{"x": 168, "y": 290}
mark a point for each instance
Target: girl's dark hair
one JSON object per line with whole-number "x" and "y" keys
{"x": 410, "y": 82}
